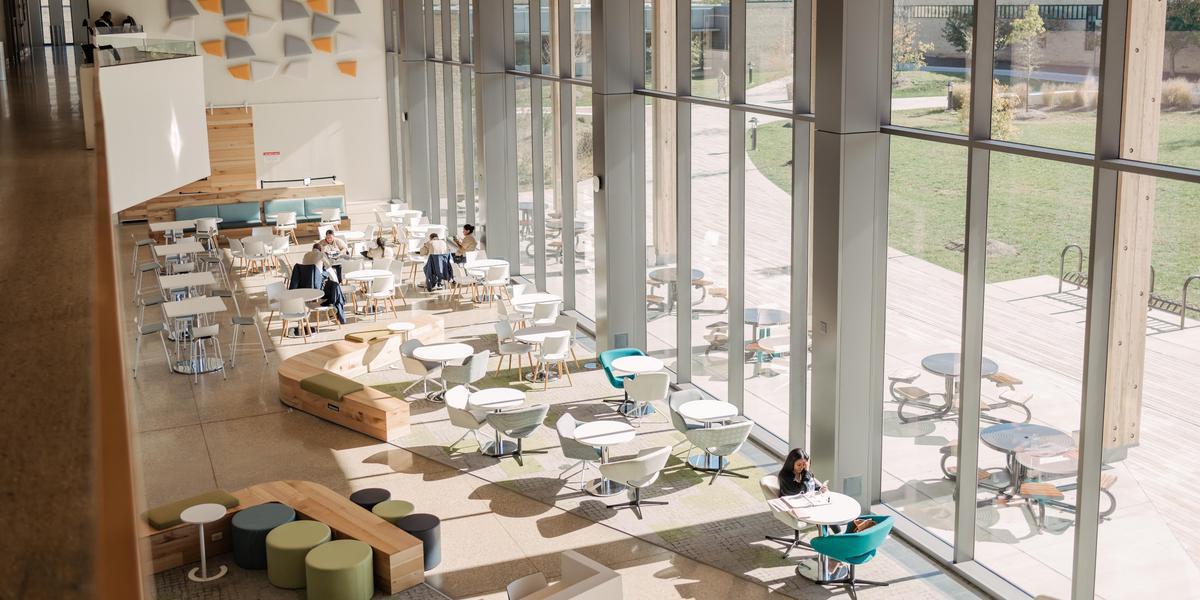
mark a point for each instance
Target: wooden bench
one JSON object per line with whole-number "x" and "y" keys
{"x": 398, "y": 556}
{"x": 368, "y": 411}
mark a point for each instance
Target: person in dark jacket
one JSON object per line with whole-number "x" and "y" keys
{"x": 796, "y": 478}
{"x": 105, "y": 20}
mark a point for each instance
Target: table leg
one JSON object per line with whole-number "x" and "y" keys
{"x": 602, "y": 486}
{"x": 200, "y": 574}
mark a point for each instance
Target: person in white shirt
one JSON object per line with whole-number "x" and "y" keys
{"x": 315, "y": 257}
{"x": 434, "y": 246}
{"x": 332, "y": 245}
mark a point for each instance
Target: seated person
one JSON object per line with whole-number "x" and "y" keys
{"x": 380, "y": 249}
{"x": 795, "y": 478}
{"x": 465, "y": 244}
{"x": 333, "y": 246}
{"x": 315, "y": 257}
{"x": 437, "y": 267}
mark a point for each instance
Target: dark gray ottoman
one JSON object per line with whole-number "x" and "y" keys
{"x": 369, "y": 497}
{"x": 427, "y": 528}
{"x": 250, "y": 529}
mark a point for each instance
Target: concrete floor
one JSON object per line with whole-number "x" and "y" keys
{"x": 46, "y": 207}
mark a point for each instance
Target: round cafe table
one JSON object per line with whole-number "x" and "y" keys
{"x": 603, "y": 434}
{"x": 949, "y": 365}
{"x": 763, "y": 319}
{"x": 827, "y": 510}
{"x": 496, "y": 400}
{"x": 362, "y": 278}
{"x": 669, "y": 276}
{"x": 636, "y": 365}
{"x": 708, "y": 412}
{"x": 1027, "y": 438}
{"x": 403, "y": 328}
{"x": 350, "y": 235}
{"x": 536, "y": 335}
{"x": 203, "y": 514}
{"x": 525, "y": 302}
{"x": 305, "y": 294}
{"x": 442, "y": 353}
{"x": 484, "y": 264}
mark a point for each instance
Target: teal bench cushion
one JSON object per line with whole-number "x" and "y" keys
{"x": 167, "y": 515}
{"x": 239, "y": 215}
{"x": 313, "y": 206}
{"x": 274, "y": 207}
{"x": 183, "y": 213}
{"x": 330, "y": 385}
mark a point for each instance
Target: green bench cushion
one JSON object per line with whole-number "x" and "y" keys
{"x": 274, "y": 207}
{"x": 239, "y": 215}
{"x": 167, "y": 515}
{"x": 313, "y": 206}
{"x": 183, "y": 213}
{"x": 330, "y": 385}
{"x": 367, "y": 336}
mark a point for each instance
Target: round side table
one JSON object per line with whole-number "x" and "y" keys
{"x": 202, "y": 514}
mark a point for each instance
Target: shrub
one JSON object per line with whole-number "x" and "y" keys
{"x": 1020, "y": 91}
{"x": 1069, "y": 97}
{"x": 1049, "y": 91}
{"x": 1177, "y": 94}
{"x": 960, "y": 95}
{"x": 1003, "y": 104}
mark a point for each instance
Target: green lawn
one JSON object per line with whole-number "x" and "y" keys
{"x": 1036, "y": 206}
{"x": 918, "y": 84}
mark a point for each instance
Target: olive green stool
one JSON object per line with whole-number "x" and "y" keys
{"x": 392, "y": 510}
{"x": 286, "y": 547}
{"x": 340, "y": 570}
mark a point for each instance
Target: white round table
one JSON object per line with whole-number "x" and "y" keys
{"x": 707, "y": 412}
{"x": 637, "y": 364}
{"x": 402, "y": 328}
{"x": 536, "y": 334}
{"x": 603, "y": 434}
{"x": 202, "y": 514}
{"x": 778, "y": 344}
{"x": 350, "y": 235}
{"x": 496, "y": 400}
{"x": 442, "y": 353}
{"x": 366, "y": 274}
{"x": 484, "y": 264}
{"x": 839, "y": 510}
{"x": 525, "y": 302}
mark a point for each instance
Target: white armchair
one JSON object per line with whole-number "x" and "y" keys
{"x": 644, "y": 389}
{"x": 637, "y": 472}
{"x": 425, "y": 371}
{"x": 769, "y": 484}
{"x": 721, "y": 441}
{"x": 461, "y": 416}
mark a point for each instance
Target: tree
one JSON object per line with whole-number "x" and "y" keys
{"x": 1183, "y": 28}
{"x": 1025, "y": 39}
{"x": 957, "y": 30}
{"x": 906, "y": 48}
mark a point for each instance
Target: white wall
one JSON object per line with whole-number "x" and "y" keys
{"x": 155, "y": 131}
{"x": 330, "y": 124}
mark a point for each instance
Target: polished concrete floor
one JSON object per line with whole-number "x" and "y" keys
{"x": 46, "y": 214}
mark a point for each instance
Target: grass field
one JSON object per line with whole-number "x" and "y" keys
{"x": 1036, "y": 206}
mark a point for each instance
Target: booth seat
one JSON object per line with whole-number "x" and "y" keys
{"x": 184, "y": 213}
{"x": 313, "y": 206}
{"x": 272, "y": 208}
{"x": 241, "y": 215}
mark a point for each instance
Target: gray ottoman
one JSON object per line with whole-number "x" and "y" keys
{"x": 369, "y": 497}
{"x": 250, "y": 529}
{"x": 427, "y": 528}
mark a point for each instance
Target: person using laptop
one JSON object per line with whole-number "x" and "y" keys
{"x": 796, "y": 478}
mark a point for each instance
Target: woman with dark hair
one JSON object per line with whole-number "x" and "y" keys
{"x": 796, "y": 478}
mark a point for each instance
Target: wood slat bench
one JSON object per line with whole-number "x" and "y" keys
{"x": 398, "y": 556}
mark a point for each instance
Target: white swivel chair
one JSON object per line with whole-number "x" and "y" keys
{"x": 721, "y": 441}
{"x": 519, "y": 424}
{"x": 573, "y": 449}
{"x": 495, "y": 283}
{"x": 331, "y": 218}
{"x": 413, "y": 366}
{"x": 295, "y": 312}
{"x": 461, "y": 416}
{"x": 509, "y": 346}
{"x": 682, "y": 425}
{"x": 472, "y": 370}
{"x": 637, "y": 472}
{"x": 644, "y": 389}
{"x": 769, "y": 484}
{"x": 554, "y": 351}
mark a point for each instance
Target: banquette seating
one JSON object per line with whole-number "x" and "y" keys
{"x": 239, "y": 218}
{"x": 320, "y": 381}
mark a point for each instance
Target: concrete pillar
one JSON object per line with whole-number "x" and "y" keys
{"x": 415, "y": 106}
{"x": 849, "y": 243}
{"x": 496, "y": 128}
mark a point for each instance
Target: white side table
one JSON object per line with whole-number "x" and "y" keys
{"x": 403, "y": 328}
{"x": 202, "y": 514}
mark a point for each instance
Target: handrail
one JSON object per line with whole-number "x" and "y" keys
{"x": 1183, "y": 310}
{"x": 262, "y": 183}
{"x": 1062, "y": 261}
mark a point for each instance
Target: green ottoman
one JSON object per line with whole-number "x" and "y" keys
{"x": 250, "y": 529}
{"x": 392, "y": 510}
{"x": 340, "y": 570}
{"x": 286, "y": 547}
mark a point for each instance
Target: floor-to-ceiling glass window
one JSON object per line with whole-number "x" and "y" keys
{"x": 706, "y": 288}
{"x": 769, "y": 54}
{"x": 438, "y": 145}
{"x": 585, "y": 217}
{"x": 930, "y": 67}
{"x": 710, "y": 49}
{"x": 581, "y": 38}
{"x": 526, "y": 178}
{"x": 768, "y": 273}
{"x": 521, "y": 34}
{"x": 552, "y": 179}
{"x": 661, "y": 238}
{"x": 927, "y": 204}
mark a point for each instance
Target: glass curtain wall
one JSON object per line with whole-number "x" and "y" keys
{"x": 585, "y": 218}
{"x": 1042, "y": 201}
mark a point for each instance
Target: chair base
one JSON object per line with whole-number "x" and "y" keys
{"x": 637, "y": 503}
{"x": 792, "y": 543}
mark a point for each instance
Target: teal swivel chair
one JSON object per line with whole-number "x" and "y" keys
{"x": 855, "y": 549}
{"x": 606, "y": 359}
